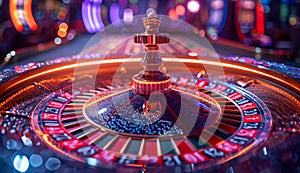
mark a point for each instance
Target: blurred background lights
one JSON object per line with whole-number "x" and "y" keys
{"x": 53, "y": 164}
{"x": 35, "y": 160}
{"x": 267, "y": 9}
{"x": 62, "y": 30}
{"x": 179, "y": 1}
{"x": 61, "y": 15}
{"x": 21, "y": 15}
{"x": 133, "y": 1}
{"x": 11, "y": 144}
{"x": 150, "y": 10}
{"x": 180, "y": 10}
{"x": 153, "y": 4}
{"x": 90, "y": 11}
{"x": 66, "y": 1}
{"x": 123, "y": 3}
{"x": 13, "y": 53}
{"x": 128, "y": 16}
{"x": 217, "y": 4}
{"x": 70, "y": 36}
{"x": 114, "y": 13}
{"x": 57, "y": 40}
{"x": 172, "y": 14}
{"x": 293, "y": 20}
{"x": 21, "y": 163}
{"x": 193, "y": 6}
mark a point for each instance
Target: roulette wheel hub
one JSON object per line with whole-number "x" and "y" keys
{"x": 151, "y": 79}
{"x": 154, "y": 105}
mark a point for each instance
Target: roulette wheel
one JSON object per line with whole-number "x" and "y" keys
{"x": 139, "y": 100}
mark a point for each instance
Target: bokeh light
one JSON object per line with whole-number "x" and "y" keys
{"x": 62, "y": 30}
{"x": 172, "y": 14}
{"x": 57, "y": 40}
{"x": 114, "y": 13}
{"x": 180, "y": 10}
{"x": 36, "y": 160}
{"x": 293, "y": 21}
{"x": 21, "y": 163}
{"x": 193, "y": 6}
{"x": 128, "y": 16}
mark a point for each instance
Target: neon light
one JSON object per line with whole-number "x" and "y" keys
{"x": 260, "y": 21}
{"x": 91, "y": 15}
{"x": 224, "y": 15}
{"x": 14, "y": 16}
{"x": 28, "y": 15}
{"x": 96, "y": 13}
{"x": 21, "y": 15}
{"x": 217, "y": 17}
{"x": 114, "y": 13}
{"x": 193, "y": 6}
{"x": 87, "y": 20}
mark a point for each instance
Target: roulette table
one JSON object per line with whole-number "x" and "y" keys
{"x": 150, "y": 96}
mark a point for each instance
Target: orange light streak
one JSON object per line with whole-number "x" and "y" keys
{"x": 28, "y": 15}
{"x": 204, "y": 62}
{"x": 14, "y": 15}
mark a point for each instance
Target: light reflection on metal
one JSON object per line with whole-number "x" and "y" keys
{"x": 91, "y": 10}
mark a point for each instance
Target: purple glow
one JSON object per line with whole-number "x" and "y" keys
{"x": 87, "y": 20}
{"x": 114, "y": 13}
{"x": 123, "y": 2}
{"x": 96, "y": 11}
{"x": 91, "y": 10}
{"x": 96, "y": 1}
